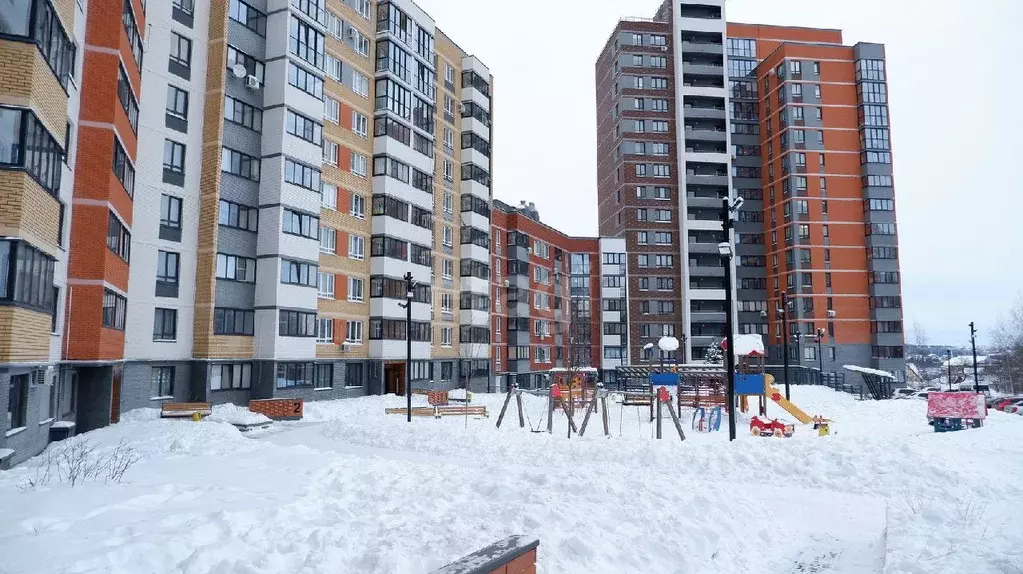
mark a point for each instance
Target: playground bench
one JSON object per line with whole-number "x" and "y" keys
{"x": 185, "y": 410}
{"x": 474, "y": 411}
{"x": 416, "y": 411}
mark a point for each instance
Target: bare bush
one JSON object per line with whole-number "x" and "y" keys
{"x": 74, "y": 462}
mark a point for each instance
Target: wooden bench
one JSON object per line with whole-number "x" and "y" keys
{"x": 185, "y": 410}
{"x": 462, "y": 410}
{"x": 416, "y": 411}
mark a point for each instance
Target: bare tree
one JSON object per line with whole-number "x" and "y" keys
{"x": 1006, "y": 363}
{"x": 920, "y": 337}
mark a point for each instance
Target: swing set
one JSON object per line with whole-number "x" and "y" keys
{"x": 556, "y": 398}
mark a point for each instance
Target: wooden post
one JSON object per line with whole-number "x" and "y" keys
{"x": 518, "y": 401}
{"x": 604, "y": 416}
{"x": 658, "y": 401}
{"x": 550, "y": 410}
{"x": 590, "y": 407}
{"x": 571, "y": 422}
{"x": 678, "y": 425}
{"x": 504, "y": 407}
{"x": 653, "y": 399}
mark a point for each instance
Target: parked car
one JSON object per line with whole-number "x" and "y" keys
{"x": 1007, "y": 402}
{"x": 1014, "y": 407}
{"x": 920, "y": 395}
{"x": 903, "y": 393}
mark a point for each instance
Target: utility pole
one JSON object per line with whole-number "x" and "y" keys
{"x": 948, "y": 353}
{"x": 820, "y": 355}
{"x": 973, "y": 342}
{"x": 410, "y": 286}
{"x": 785, "y": 338}
{"x": 725, "y": 250}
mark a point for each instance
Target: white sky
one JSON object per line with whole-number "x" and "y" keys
{"x": 954, "y": 70}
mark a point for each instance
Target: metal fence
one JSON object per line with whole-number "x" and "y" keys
{"x": 800, "y": 375}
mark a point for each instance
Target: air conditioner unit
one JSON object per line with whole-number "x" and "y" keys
{"x": 831, "y": 312}
{"x": 344, "y": 346}
{"x": 351, "y": 32}
{"x": 252, "y": 82}
{"x": 664, "y": 48}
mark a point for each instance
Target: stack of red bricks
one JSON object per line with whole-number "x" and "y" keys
{"x": 279, "y": 409}
{"x": 437, "y": 398}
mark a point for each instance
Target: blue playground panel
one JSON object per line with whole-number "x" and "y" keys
{"x": 749, "y": 384}
{"x": 664, "y": 379}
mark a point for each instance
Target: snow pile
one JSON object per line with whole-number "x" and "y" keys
{"x": 351, "y": 489}
{"x": 868, "y": 371}
{"x": 237, "y": 415}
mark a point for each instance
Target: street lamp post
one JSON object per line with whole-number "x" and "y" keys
{"x": 725, "y": 251}
{"x": 410, "y": 286}
{"x": 820, "y": 355}
{"x": 948, "y": 352}
{"x": 973, "y": 342}
{"x": 785, "y": 338}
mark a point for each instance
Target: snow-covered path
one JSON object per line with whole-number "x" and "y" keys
{"x": 352, "y": 490}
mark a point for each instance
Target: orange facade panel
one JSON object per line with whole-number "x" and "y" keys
{"x": 765, "y": 32}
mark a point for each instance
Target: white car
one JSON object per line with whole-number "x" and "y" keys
{"x": 903, "y": 393}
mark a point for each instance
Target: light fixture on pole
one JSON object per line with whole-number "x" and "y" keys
{"x": 820, "y": 356}
{"x": 648, "y": 348}
{"x": 410, "y": 287}
{"x": 667, "y": 344}
{"x": 948, "y": 352}
{"x": 973, "y": 343}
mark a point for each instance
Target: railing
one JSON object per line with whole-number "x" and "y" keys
{"x": 801, "y": 375}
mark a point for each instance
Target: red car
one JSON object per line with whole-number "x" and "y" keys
{"x": 764, "y": 427}
{"x": 1005, "y": 401}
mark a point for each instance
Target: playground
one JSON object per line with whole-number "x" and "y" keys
{"x": 350, "y": 488}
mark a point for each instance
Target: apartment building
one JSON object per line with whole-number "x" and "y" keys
{"x": 692, "y": 110}
{"x": 41, "y": 92}
{"x": 558, "y": 301}
{"x": 267, "y": 172}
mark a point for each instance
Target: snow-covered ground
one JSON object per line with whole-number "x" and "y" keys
{"x": 350, "y": 489}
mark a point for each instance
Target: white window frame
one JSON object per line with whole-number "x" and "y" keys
{"x": 360, "y": 84}
{"x": 325, "y": 285}
{"x": 357, "y": 206}
{"x": 356, "y": 290}
{"x": 449, "y": 170}
{"x": 449, "y": 202}
{"x": 356, "y": 247}
{"x": 353, "y": 333}
{"x": 360, "y": 43}
{"x": 448, "y": 236}
{"x": 330, "y": 151}
{"x": 360, "y": 164}
{"x": 363, "y": 8}
{"x": 332, "y": 109}
{"x": 360, "y": 124}
{"x": 328, "y": 196}
{"x": 333, "y": 67}
{"x": 447, "y": 268}
{"x": 322, "y": 328}
{"x": 328, "y": 240}
{"x": 334, "y": 25}
{"x": 445, "y": 336}
{"x": 449, "y": 139}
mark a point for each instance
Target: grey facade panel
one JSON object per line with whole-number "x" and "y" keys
{"x": 876, "y": 169}
{"x": 235, "y": 294}
{"x": 236, "y": 241}
{"x": 242, "y": 139}
{"x": 239, "y": 189}
{"x": 137, "y": 384}
{"x": 245, "y": 39}
{"x": 33, "y": 440}
{"x": 94, "y": 394}
{"x": 868, "y": 51}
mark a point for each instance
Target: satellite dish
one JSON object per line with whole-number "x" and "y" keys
{"x": 239, "y": 70}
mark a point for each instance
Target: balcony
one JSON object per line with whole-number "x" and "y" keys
{"x": 702, "y": 48}
{"x": 703, "y": 112}
{"x": 701, "y": 271}
{"x": 707, "y": 316}
{"x": 693, "y": 202}
{"x": 706, "y": 178}
{"x": 705, "y": 133}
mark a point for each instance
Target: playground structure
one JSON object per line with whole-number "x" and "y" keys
{"x": 559, "y": 397}
{"x": 751, "y": 380}
{"x": 953, "y": 411}
{"x": 440, "y": 407}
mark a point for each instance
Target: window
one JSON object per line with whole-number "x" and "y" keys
{"x": 129, "y": 102}
{"x": 330, "y": 152}
{"x": 355, "y": 289}
{"x": 298, "y": 77}
{"x": 302, "y": 175}
{"x": 360, "y": 43}
{"x": 662, "y": 170}
{"x": 114, "y": 309}
{"x": 173, "y": 157}
{"x": 131, "y": 29}
{"x": 660, "y": 126}
{"x": 236, "y": 268}
{"x": 162, "y": 382}
{"x": 123, "y": 169}
{"x": 248, "y": 16}
{"x": 326, "y": 285}
{"x": 49, "y": 36}
{"x": 180, "y": 50}
{"x": 332, "y": 109}
{"x": 304, "y": 128}
{"x": 230, "y": 376}
{"x": 240, "y": 164}
{"x": 26, "y": 275}
{"x": 324, "y": 330}
{"x": 167, "y": 267}
{"x": 299, "y": 273}
{"x": 447, "y": 268}
{"x": 328, "y": 240}
{"x": 297, "y": 324}
{"x": 170, "y": 211}
{"x": 354, "y": 334}
{"x": 238, "y": 216}
{"x": 233, "y": 321}
{"x": 358, "y": 206}
{"x": 360, "y": 84}
{"x": 25, "y": 144}
{"x": 304, "y": 375}
{"x": 659, "y": 83}
{"x": 359, "y": 164}
{"x": 305, "y": 42}
{"x": 243, "y": 114}
{"x": 118, "y": 237}
{"x": 165, "y": 325}
{"x": 360, "y": 124}
{"x": 305, "y": 225}
{"x": 333, "y": 67}
{"x": 177, "y": 102}
{"x": 356, "y": 247}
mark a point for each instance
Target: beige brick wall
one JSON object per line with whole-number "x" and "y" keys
{"x": 24, "y": 335}
{"x": 29, "y": 212}
{"x": 26, "y": 80}
{"x": 228, "y": 347}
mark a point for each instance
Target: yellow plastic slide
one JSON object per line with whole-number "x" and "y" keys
{"x": 776, "y": 396}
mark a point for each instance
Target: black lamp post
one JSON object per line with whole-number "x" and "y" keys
{"x": 725, "y": 251}
{"x": 410, "y": 286}
{"x": 785, "y": 337}
{"x": 820, "y": 356}
{"x": 973, "y": 342}
{"x": 948, "y": 352}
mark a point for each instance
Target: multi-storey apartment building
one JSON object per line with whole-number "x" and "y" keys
{"x": 558, "y": 301}
{"x": 692, "y": 110}
{"x": 41, "y": 93}
{"x": 289, "y": 163}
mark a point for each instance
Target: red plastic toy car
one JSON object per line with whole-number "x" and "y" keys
{"x": 763, "y": 427}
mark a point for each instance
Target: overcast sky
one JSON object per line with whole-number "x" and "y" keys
{"x": 954, "y": 70}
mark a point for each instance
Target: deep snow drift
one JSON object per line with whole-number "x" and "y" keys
{"x": 350, "y": 489}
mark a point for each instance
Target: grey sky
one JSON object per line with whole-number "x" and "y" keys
{"x": 956, "y": 126}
